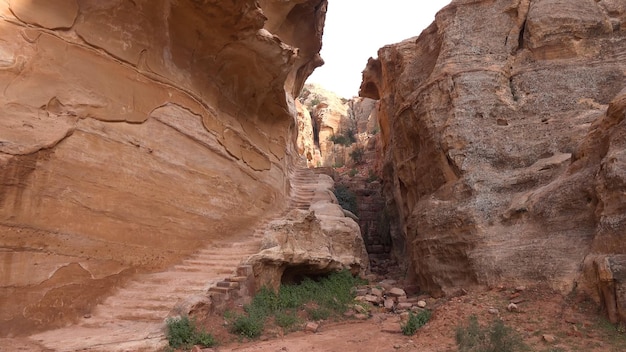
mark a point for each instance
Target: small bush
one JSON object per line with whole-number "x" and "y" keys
{"x": 249, "y": 326}
{"x": 496, "y": 337}
{"x": 357, "y": 155}
{"x": 415, "y": 322}
{"x": 286, "y": 320}
{"x": 183, "y": 333}
{"x": 346, "y": 139}
{"x": 338, "y": 139}
{"x": 353, "y": 172}
{"x": 318, "y": 313}
{"x": 346, "y": 198}
{"x": 371, "y": 177}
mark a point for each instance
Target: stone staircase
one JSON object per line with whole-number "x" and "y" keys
{"x": 303, "y": 183}
{"x": 133, "y": 318}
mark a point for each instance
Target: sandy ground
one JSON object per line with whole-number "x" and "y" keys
{"x": 574, "y": 322}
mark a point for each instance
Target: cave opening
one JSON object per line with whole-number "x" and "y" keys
{"x": 295, "y": 274}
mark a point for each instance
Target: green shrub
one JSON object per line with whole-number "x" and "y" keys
{"x": 319, "y": 313}
{"x": 371, "y": 177}
{"x": 346, "y": 198}
{"x": 346, "y": 139}
{"x": 496, "y": 337}
{"x": 286, "y": 320}
{"x": 353, "y": 172}
{"x": 205, "y": 339}
{"x": 250, "y": 326}
{"x": 183, "y": 333}
{"x": 338, "y": 163}
{"x": 415, "y": 322}
{"x": 357, "y": 155}
{"x": 338, "y": 139}
{"x": 330, "y": 295}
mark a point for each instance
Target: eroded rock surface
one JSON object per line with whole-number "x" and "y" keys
{"x": 331, "y": 126}
{"x": 482, "y": 118}
{"x": 313, "y": 240}
{"x": 131, "y": 131}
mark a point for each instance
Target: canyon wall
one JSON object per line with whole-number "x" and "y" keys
{"x": 133, "y": 131}
{"x": 501, "y": 127}
{"x": 330, "y": 127}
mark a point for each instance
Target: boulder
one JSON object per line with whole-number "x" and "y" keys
{"x": 305, "y": 244}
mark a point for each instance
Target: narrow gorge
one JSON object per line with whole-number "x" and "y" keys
{"x": 158, "y": 155}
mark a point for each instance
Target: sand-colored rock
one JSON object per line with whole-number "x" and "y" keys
{"x": 133, "y": 131}
{"x": 310, "y": 242}
{"x": 306, "y": 244}
{"x": 482, "y": 118}
{"x": 306, "y": 141}
{"x": 331, "y": 118}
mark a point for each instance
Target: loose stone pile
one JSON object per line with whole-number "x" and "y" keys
{"x": 388, "y": 297}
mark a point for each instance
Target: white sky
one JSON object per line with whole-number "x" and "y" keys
{"x": 356, "y": 29}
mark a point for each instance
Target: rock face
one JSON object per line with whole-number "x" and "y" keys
{"x": 330, "y": 125}
{"x": 310, "y": 242}
{"x": 502, "y": 149}
{"x": 133, "y": 130}
{"x": 330, "y": 121}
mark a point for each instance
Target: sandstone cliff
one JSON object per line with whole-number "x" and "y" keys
{"x": 502, "y": 154}
{"x": 333, "y": 132}
{"x": 330, "y": 127}
{"x": 131, "y": 131}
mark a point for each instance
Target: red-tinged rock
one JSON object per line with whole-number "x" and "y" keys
{"x": 396, "y": 292}
{"x": 311, "y": 326}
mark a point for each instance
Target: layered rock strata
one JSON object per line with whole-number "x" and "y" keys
{"x": 501, "y": 148}
{"x": 131, "y": 131}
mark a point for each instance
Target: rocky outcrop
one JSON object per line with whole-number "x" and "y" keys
{"x": 482, "y": 118}
{"x": 314, "y": 239}
{"x": 309, "y": 244}
{"x": 132, "y": 131}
